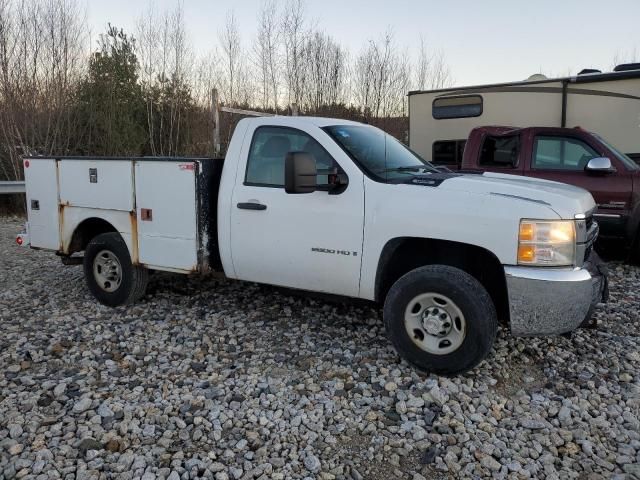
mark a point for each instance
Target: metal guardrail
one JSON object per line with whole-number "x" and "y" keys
{"x": 7, "y": 188}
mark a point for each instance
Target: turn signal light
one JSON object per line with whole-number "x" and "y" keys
{"x": 526, "y": 253}
{"x": 526, "y": 232}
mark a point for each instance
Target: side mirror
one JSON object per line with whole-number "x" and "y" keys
{"x": 599, "y": 165}
{"x": 300, "y": 173}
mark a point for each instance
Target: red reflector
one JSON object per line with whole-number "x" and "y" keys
{"x": 26, "y": 164}
{"x": 19, "y": 240}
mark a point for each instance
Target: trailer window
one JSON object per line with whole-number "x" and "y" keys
{"x": 457, "y": 107}
{"x": 269, "y": 147}
{"x": 561, "y": 153}
{"x": 448, "y": 152}
{"x": 500, "y": 151}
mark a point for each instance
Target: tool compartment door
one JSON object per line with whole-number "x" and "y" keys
{"x": 97, "y": 183}
{"x": 166, "y": 211}
{"x": 41, "y": 177}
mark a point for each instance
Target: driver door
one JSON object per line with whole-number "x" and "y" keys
{"x": 308, "y": 241}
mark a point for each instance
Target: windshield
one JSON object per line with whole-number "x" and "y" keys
{"x": 630, "y": 164}
{"x": 380, "y": 155}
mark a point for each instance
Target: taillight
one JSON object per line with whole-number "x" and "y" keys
{"x": 19, "y": 241}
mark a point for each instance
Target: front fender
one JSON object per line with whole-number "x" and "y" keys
{"x": 482, "y": 220}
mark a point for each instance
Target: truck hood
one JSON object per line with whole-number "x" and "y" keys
{"x": 566, "y": 200}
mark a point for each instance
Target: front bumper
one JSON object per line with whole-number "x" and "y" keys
{"x": 550, "y": 301}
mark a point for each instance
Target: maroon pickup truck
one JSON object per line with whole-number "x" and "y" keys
{"x": 568, "y": 155}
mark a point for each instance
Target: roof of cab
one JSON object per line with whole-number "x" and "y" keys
{"x": 510, "y": 130}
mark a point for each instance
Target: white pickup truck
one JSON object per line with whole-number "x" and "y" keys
{"x": 337, "y": 207}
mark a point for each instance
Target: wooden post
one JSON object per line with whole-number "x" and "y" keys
{"x": 215, "y": 113}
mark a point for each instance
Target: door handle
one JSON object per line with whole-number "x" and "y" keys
{"x": 251, "y": 206}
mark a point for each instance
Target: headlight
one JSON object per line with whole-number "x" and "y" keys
{"x": 547, "y": 242}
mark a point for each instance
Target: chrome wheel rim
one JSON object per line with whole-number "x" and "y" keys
{"x": 435, "y": 323}
{"x": 107, "y": 271}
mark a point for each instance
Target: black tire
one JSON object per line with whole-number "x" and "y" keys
{"x": 134, "y": 279}
{"x": 471, "y": 299}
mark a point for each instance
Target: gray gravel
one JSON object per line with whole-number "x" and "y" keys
{"x": 228, "y": 380}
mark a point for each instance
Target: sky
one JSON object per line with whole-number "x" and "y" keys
{"x": 485, "y": 41}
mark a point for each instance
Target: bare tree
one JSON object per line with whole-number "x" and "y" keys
{"x": 440, "y": 72}
{"x": 362, "y": 79}
{"x": 423, "y": 66}
{"x": 381, "y": 78}
{"x": 178, "y": 93}
{"x": 149, "y": 55}
{"x": 42, "y": 53}
{"x": 294, "y": 35}
{"x": 232, "y": 56}
{"x": 266, "y": 54}
{"x": 432, "y": 71}
{"x": 324, "y": 63}
{"x": 207, "y": 76}
{"x": 166, "y": 63}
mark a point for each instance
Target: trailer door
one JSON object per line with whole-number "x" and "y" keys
{"x": 166, "y": 214}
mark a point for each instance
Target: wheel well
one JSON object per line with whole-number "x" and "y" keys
{"x": 87, "y": 230}
{"x": 401, "y": 255}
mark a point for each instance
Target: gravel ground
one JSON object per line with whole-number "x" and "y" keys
{"x": 227, "y": 380}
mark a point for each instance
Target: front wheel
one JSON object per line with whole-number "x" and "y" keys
{"x": 109, "y": 273}
{"x": 440, "y": 319}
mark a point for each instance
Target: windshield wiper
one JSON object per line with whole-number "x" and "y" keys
{"x": 415, "y": 168}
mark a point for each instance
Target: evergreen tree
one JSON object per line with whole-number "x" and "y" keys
{"x": 110, "y": 99}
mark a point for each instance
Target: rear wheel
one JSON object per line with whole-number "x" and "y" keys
{"x": 440, "y": 319}
{"x": 109, "y": 273}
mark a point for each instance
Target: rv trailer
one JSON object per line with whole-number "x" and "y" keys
{"x": 605, "y": 103}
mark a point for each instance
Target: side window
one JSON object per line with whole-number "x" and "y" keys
{"x": 269, "y": 147}
{"x": 448, "y": 152}
{"x": 561, "y": 153}
{"x": 462, "y": 106}
{"x": 500, "y": 152}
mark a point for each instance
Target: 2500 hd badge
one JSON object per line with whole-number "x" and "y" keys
{"x": 346, "y": 253}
